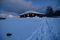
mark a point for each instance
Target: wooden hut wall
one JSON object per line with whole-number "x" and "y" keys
{"x": 31, "y": 15}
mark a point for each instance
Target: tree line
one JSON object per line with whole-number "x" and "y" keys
{"x": 51, "y": 13}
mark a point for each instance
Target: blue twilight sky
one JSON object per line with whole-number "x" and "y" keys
{"x": 20, "y": 6}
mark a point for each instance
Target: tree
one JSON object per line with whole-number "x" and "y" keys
{"x": 49, "y": 11}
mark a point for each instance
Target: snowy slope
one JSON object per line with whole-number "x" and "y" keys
{"x": 30, "y": 29}
{"x": 48, "y": 31}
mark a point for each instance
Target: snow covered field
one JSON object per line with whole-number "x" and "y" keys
{"x": 30, "y": 29}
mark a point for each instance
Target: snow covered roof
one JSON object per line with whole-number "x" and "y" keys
{"x": 31, "y": 12}
{"x": 3, "y": 15}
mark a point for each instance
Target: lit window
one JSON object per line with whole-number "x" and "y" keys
{"x": 32, "y": 14}
{"x": 28, "y": 15}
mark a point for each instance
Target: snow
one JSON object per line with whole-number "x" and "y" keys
{"x": 30, "y": 28}
{"x": 31, "y": 12}
{"x": 8, "y": 16}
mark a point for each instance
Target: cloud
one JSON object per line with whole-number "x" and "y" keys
{"x": 20, "y": 2}
{"x": 16, "y": 5}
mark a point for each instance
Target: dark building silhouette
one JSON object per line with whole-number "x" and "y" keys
{"x": 1, "y": 18}
{"x": 57, "y": 13}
